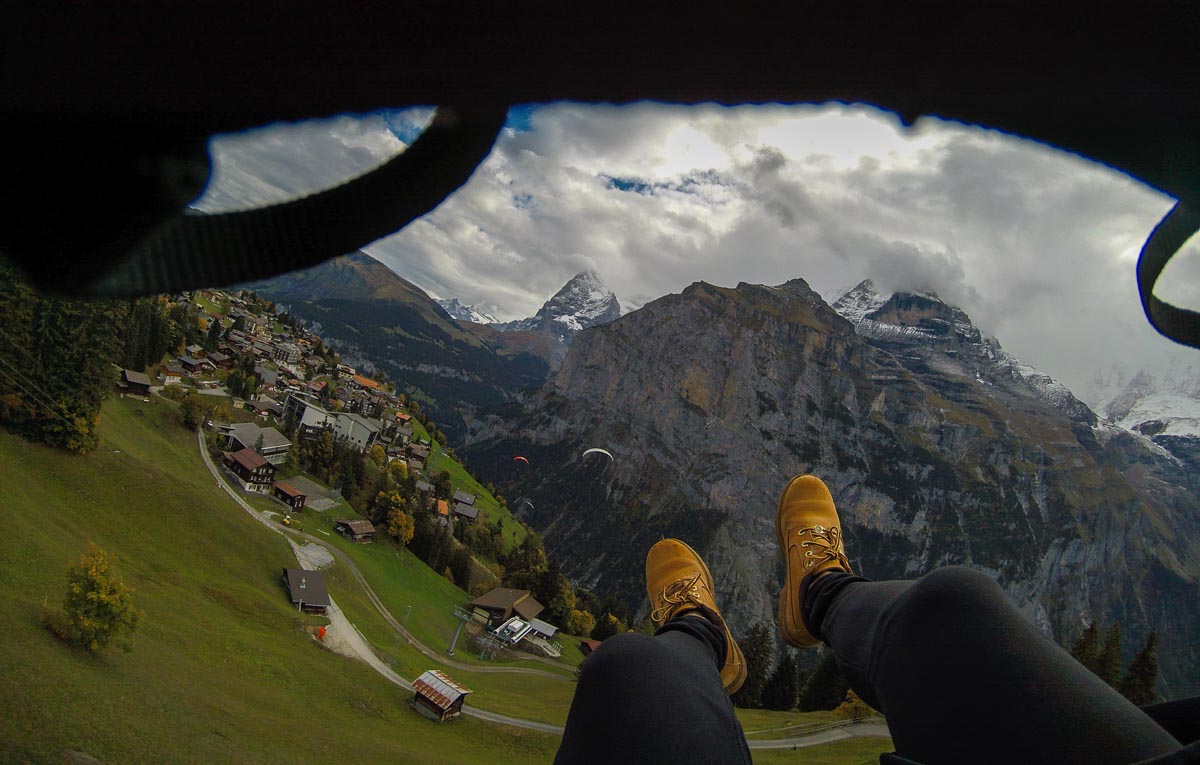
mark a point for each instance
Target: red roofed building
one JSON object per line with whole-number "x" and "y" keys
{"x": 252, "y": 471}
{"x": 438, "y": 696}
{"x": 290, "y": 495}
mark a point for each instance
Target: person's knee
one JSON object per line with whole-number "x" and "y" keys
{"x": 952, "y": 590}
{"x": 620, "y": 654}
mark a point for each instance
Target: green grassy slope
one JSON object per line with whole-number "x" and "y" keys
{"x": 222, "y": 669}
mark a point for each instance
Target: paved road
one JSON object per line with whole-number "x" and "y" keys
{"x": 348, "y": 640}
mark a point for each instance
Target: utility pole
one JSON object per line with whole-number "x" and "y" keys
{"x": 453, "y": 640}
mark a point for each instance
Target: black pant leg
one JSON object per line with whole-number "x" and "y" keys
{"x": 643, "y": 699}
{"x": 962, "y": 676}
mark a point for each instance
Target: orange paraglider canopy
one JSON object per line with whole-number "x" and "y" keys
{"x": 520, "y": 459}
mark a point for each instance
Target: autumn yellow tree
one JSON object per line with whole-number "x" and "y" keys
{"x": 853, "y": 708}
{"x": 98, "y": 606}
{"x": 581, "y": 622}
{"x": 400, "y": 526}
{"x": 378, "y": 455}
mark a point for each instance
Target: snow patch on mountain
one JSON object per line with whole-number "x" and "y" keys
{"x": 1159, "y": 402}
{"x": 457, "y": 310}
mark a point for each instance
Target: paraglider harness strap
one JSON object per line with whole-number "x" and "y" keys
{"x": 193, "y": 248}
{"x": 1171, "y": 233}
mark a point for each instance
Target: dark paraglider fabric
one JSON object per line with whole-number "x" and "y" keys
{"x": 105, "y": 115}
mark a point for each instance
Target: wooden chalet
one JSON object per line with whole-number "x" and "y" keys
{"x": 172, "y": 374}
{"x": 443, "y": 512}
{"x": 252, "y": 471}
{"x": 466, "y": 512}
{"x": 464, "y": 498}
{"x": 497, "y": 606}
{"x": 289, "y": 495}
{"x": 193, "y": 365}
{"x": 134, "y": 383}
{"x": 356, "y": 531}
{"x": 221, "y": 360}
{"x": 587, "y": 646}
{"x": 307, "y": 590}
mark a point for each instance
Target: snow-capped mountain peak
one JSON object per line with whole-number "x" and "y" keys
{"x": 859, "y": 301}
{"x": 921, "y": 321}
{"x": 457, "y": 310}
{"x": 583, "y": 302}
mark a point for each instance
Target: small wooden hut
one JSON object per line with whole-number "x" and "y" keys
{"x": 438, "y": 696}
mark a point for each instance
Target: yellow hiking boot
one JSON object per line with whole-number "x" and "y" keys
{"x": 810, "y": 537}
{"x": 677, "y": 581}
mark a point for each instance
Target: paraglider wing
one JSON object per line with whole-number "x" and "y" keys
{"x": 595, "y": 450}
{"x": 519, "y": 458}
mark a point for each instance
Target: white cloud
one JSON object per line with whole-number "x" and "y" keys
{"x": 1036, "y": 244}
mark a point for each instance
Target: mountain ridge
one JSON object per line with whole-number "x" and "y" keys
{"x": 939, "y": 447}
{"x": 370, "y": 313}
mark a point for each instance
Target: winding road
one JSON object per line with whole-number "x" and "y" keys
{"x": 344, "y": 637}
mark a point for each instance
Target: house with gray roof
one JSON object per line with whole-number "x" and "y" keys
{"x": 245, "y": 435}
{"x": 307, "y": 590}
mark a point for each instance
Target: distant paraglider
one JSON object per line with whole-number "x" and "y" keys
{"x": 519, "y": 458}
{"x": 522, "y": 503}
{"x": 596, "y": 450}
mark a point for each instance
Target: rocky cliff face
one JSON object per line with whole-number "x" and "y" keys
{"x": 583, "y": 302}
{"x": 938, "y": 446}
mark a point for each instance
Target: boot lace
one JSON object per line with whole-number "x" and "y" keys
{"x": 675, "y": 595}
{"x": 825, "y": 544}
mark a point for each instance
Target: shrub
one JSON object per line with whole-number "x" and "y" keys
{"x": 98, "y": 607}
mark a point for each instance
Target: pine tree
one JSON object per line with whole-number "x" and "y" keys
{"x": 1142, "y": 675}
{"x": 213, "y": 339}
{"x": 1086, "y": 650}
{"x": 758, "y": 647}
{"x": 783, "y": 688}
{"x": 825, "y": 689}
{"x": 1109, "y": 664}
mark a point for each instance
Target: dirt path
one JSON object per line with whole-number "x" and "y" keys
{"x": 333, "y": 553}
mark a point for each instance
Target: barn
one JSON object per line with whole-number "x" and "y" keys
{"x": 438, "y": 696}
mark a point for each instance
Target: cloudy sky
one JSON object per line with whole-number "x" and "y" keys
{"x": 1037, "y": 245}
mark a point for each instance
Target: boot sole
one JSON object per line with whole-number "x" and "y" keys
{"x": 730, "y": 643}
